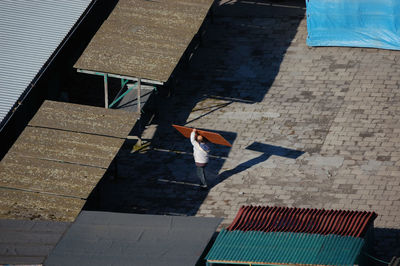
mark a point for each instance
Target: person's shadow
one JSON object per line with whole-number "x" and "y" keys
{"x": 267, "y": 151}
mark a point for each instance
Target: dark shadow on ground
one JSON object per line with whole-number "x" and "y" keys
{"x": 266, "y": 151}
{"x": 157, "y": 180}
{"x": 386, "y": 245}
{"x": 254, "y": 35}
{"x": 238, "y": 62}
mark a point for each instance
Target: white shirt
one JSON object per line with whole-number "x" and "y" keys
{"x": 199, "y": 154}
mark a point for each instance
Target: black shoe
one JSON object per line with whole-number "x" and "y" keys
{"x": 203, "y": 187}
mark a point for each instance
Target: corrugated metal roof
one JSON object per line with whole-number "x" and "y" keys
{"x": 317, "y": 221}
{"x": 284, "y": 248}
{"x": 30, "y": 32}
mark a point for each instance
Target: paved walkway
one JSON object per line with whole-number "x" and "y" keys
{"x": 311, "y": 127}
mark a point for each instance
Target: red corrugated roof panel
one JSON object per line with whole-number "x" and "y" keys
{"x": 300, "y": 220}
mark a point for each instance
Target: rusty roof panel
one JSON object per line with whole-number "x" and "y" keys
{"x": 213, "y": 137}
{"x": 300, "y": 220}
{"x": 85, "y": 119}
{"x": 64, "y": 146}
{"x": 16, "y": 204}
{"x": 48, "y": 176}
{"x": 144, "y": 39}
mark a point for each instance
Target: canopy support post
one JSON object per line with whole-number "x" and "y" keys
{"x": 106, "y": 91}
{"x": 139, "y": 110}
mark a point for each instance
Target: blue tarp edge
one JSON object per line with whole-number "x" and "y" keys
{"x": 354, "y": 23}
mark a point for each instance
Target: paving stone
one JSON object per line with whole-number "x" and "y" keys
{"x": 255, "y": 81}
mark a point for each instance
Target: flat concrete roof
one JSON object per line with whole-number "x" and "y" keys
{"x": 59, "y": 158}
{"x": 26, "y": 242}
{"x": 144, "y": 39}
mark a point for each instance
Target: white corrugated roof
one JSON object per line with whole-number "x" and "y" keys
{"x": 30, "y": 32}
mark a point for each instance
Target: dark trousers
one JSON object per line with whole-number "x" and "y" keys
{"x": 201, "y": 174}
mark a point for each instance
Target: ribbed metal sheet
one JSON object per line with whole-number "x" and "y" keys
{"x": 300, "y": 220}
{"x": 287, "y": 248}
{"x": 30, "y": 32}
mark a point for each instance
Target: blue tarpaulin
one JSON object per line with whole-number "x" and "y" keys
{"x": 355, "y": 23}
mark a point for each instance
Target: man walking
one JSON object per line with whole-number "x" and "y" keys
{"x": 200, "y": 154}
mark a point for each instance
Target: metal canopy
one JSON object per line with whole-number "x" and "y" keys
{"x": 105, "y": 238}
{"x": 32, "y": 33}
{"x": 144, "y": 39}
{"x": 59, "y": 158}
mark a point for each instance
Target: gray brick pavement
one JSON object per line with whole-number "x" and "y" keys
{"x": 256, "y": 80}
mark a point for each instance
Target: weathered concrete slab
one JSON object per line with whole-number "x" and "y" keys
{"x": 48, "y": 176}
{"x": 64, "y": 146}
{"x": 16, "y": 204}
{"x": 144, "y": 39}
{"x": 58, "y": 160}
{"x": 85, "y": 119}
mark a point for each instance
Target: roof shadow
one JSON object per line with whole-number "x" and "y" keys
{"x": 166, "y": 184}
{"x": 238, "y": 62}
{"x": 386, "y": 243}
{"x": 253, "y": 36}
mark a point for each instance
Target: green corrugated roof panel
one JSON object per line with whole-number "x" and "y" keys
{"x": 284, "y": 247}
